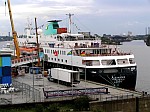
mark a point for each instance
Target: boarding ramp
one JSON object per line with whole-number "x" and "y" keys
{"x": 75, "y": 92}
{"x": 24, "y": 60}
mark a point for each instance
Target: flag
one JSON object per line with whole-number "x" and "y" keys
{"x": 69, "y": 53}
{"x": 83, "y": 53}
{"x": 55, "y": 53}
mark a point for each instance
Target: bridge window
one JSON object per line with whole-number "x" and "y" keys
{"x": 108, "y": 62}
{"x": 91, "y": 62}
{"x": 122, "y": 61}
{"x": 131, "y": 60}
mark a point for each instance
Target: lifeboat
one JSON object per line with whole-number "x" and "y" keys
{"x": 28, "y": 50}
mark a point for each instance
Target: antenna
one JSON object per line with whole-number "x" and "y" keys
{"x": 5, "y": 8}
{"x": 70, "y": 21}
{"x": 146, "y": 30}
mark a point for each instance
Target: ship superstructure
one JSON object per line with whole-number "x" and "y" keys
{"x": 100, "y": 63}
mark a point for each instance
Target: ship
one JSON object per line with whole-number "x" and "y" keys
{"x": 97, "y": 62}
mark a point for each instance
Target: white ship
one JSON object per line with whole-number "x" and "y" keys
{"x": 97, "y": 62}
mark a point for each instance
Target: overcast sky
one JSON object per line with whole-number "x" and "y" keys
{"x": 96, "y": 16}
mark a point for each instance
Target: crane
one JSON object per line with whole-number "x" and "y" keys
{"x": 14, "y": 33}
{"x": 37, "y": 42}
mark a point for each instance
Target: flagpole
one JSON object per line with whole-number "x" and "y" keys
{"x": 85, "y": 79}
{"x": 57, "y": 70}
{"x": 72, "y": 70}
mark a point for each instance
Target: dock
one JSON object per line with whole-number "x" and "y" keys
{"x": 29, "y": 88}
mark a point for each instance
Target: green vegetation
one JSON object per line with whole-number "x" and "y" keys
{"x": 78, "y": 104}
{"x": 97, "y": 110}
{"x": 82, "y": 103}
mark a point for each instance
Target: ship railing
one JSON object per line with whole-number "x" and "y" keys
{"x": 24, "y": 59}
{"x": 88, "y": 46}
{"x": 109, "y": 54}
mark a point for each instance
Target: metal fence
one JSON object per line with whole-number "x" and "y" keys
{"x": 23, "y": 93}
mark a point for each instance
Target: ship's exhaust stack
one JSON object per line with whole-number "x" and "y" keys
{"x": 53, "y": 28}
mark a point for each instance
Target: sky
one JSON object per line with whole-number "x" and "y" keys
{"x": 96, "y": 16}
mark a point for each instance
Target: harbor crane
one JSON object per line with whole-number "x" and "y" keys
{"x": 14, "y": 33}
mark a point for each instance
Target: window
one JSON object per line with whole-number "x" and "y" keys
{"x": 108, "y": 62}
{"x": 131, "y": 60}
{"x": 55, "y": 26}
{"x": 122, "y": 61}
{"x": 91, "y": 62}
{"x": 66, "y": 61}
{"x": 61, "y": 60}
{"x": 63, "y": 52}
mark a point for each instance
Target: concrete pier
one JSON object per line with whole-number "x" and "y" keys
{"x": 26, "y": 93}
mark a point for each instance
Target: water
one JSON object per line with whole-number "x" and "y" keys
{"x": 142, "y": 55}
{"x": 3, "y": 43}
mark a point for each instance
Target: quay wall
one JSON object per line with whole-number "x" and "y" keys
{"x": 138, "y": 104}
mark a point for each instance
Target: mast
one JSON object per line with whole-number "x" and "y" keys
{"x": 70, "y": 21}
{"x": 37, "y": 43}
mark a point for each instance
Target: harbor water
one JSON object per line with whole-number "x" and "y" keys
{"x": 142, "y": 55}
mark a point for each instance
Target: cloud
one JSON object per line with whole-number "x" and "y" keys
{"x": 50, "y": 7}
{"x": 121, "y": 13}
{"x": 119, "y": 7}
{"x": 43, "y": 10}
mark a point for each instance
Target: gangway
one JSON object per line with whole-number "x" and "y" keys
{"x": 24, "y": 60}
{"x": 75, "y": 92}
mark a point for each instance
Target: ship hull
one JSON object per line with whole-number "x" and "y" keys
{"x": 122, "y": 77}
